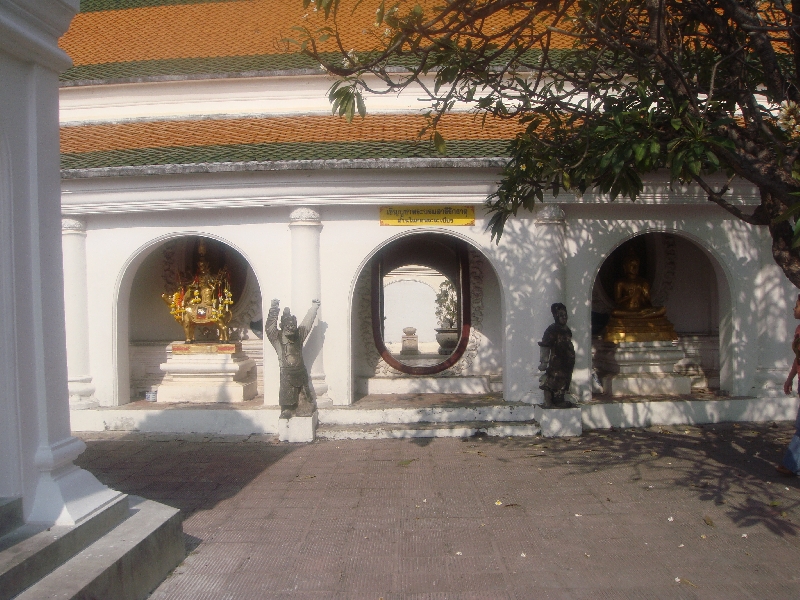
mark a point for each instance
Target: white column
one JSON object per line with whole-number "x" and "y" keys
{"x": 305, "y": 225}
{"x": 35, "y": 404}
{"x": 73, "y": 244}
{"x": 548, "y": 265}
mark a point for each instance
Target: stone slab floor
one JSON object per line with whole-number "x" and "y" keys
{"x": 667, "y": 512}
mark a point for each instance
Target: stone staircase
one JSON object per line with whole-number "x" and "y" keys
{"x": 387, "y": 420}
{"x": 122, "y": 552}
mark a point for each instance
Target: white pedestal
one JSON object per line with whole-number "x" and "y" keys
{"x": 641, "y": 368}
{"x": 559, "y": 422}
{"x": 298, "y": 429}
{"x": 205, "y": 373}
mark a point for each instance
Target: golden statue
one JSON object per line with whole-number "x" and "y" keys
{"x": 207, "y": 300}
{"x": 634, "y": 318}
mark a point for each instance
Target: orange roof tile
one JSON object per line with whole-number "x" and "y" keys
{"x": 159, "y": 134}
{"x": 215, "y": 29}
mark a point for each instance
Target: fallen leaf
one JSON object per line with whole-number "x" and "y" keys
{"x": 680, "y": 546}
{"x": 523, "y": 555}
{"x": 653, "y": 453}
{"x": 405, "y": 463}
{"x": 498, "y": 503}
{"x": 670, "y": 519}
{"x": 744, "y": 535}
{"x": 708, "y": 521}
{"x": 578, "y": 515}
{"x": 774, "y": 503}
{"x": 510, "y": 505}
{"x": 458, "y": 553}
{"x": 703, "y": 536}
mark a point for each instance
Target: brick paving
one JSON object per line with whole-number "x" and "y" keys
{"x": 666, "y": 512}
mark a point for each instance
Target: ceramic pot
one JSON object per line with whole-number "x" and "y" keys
{"x": 448, "y": 340}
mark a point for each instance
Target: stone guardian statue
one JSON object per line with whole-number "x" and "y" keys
{"x": 557, "y": 359}
{"x": 296, "y": 398}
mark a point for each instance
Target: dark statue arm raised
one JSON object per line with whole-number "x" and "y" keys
{"x": 271, "y": 324}
{"x": 308, "y": 321}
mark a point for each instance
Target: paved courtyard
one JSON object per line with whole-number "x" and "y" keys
{"x": 667, "y": 512}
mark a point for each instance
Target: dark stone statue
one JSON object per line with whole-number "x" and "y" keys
{"x": 296, "y": 397}
{"x": 557, "y": 359}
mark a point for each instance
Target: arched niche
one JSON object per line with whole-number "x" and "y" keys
{"x": 475, "y": 365}
{"x": 145, "y": 327}
{"x": 690, "y": 282}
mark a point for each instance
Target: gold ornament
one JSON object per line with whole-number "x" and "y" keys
{"x": 206, "y": 300}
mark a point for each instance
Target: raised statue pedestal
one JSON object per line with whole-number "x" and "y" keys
{"x": 637, "y": 330}
{"x": 208, "y": 372}
{"x": 298, "y": 429}
{"x": 641, "y": 368}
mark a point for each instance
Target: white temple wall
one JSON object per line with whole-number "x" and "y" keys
{"x": 550, "y": 256}
{"x": 773, "y": 298}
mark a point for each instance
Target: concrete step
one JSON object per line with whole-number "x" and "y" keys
{"x": 346, "y": 415}
{"x": 375, "y": 431}
{"x": 10, "y": 515}
{"x": 125, "y": 564}
{"x": 30, "y": 551}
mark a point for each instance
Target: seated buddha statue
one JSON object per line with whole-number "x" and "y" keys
{"x": 634, "y": 318}
{"x": 632, "y": 294}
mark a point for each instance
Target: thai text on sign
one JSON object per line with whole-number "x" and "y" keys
{"x": 427, "y": 215}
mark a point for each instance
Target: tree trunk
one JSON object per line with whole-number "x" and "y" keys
{"x": 787, "y": 258}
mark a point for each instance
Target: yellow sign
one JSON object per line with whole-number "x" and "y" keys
{"x": 427, "y": 215}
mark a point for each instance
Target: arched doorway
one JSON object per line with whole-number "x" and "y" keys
{"x": 150, "y": 329}
{"x": 449, "y": 295}
{"x": 689, "y": 282}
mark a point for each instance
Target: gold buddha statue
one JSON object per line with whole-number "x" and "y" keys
{"x": 634, "y": 318}
{"x": 206, "y": 300}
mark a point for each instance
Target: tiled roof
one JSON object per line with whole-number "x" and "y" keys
{"x": 276, "y": 139}
{"x": 124, "y": 39}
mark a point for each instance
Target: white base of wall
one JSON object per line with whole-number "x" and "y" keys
{"x": 221, "y": 421}
{"x": 298, "y": 429}
{"x": 688, "y": 412}
{"x": 455, "y": 414}
{"x": 429, "y": 385}
{"x": 559, "y": 422}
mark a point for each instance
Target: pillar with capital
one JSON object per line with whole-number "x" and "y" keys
{"x": 37, "y": 448}
{"x": 73, "y": 243}
{"x": 305, "y": 224}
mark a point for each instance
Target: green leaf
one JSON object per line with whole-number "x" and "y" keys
{"x": 439, "y": 143}
{"x": 676, "y": 124}
{"x": 362, "y": 108}
{"x": 638, "y": 152}
{"x": 789, "y": 213}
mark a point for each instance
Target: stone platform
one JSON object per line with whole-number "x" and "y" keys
{"x": 208, "y": 372}
{"x": 436, "y": 415}
{"x": 640, "y": 368}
